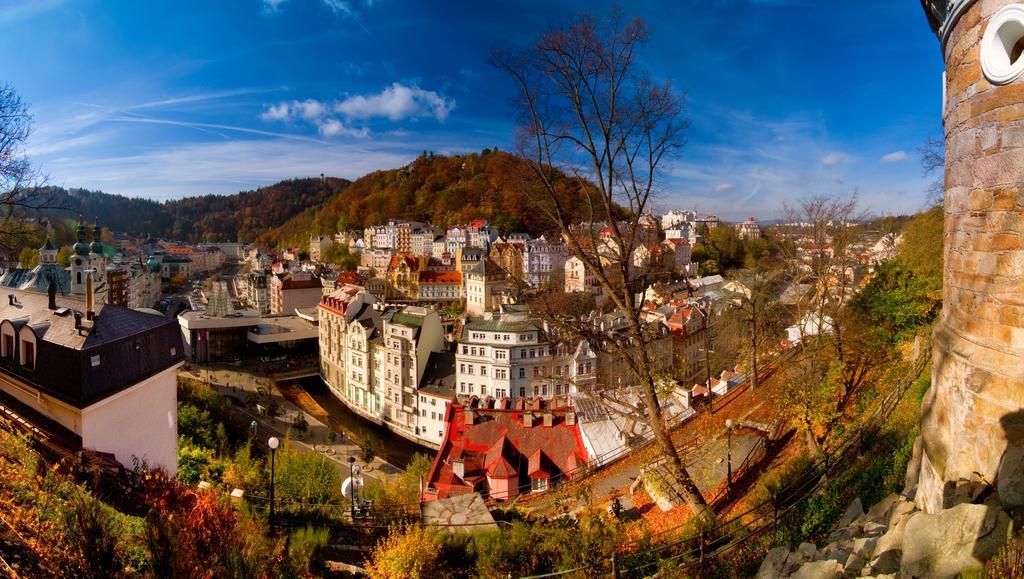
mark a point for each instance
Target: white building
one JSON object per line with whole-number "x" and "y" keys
{"x": 749, "y": 229}
{"x": 578, "y": 278}
{"x": 540, "y": 259}
{"x": 105, "y": 376}
{"x": 485, "y": 288}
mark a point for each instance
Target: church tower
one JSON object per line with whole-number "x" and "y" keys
{"x": 972, "y": 424}
{"x": 48, "y": 253}
{"x": 79, "y": 261}
{"x": 96, "y": 256}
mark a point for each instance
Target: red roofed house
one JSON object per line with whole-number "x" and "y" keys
{"x": 439, "y": 286}
{"x": 501, "y": 452}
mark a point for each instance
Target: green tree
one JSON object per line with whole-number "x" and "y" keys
{"x": 921, "y": 247}
{"x": 814, "y": 383}
{"x": 898, "y": 300}
{"x": 64, "y": 256}
{"x": 28, "y": 258}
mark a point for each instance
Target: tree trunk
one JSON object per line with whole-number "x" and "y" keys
{"x": 812, "y": 443}
{"x": 753, "y": 356}
{"x": 691, "y": 493}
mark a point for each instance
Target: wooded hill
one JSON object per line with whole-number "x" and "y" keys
{"x": 441, "y": 190}
{"x": 238, "y": 217}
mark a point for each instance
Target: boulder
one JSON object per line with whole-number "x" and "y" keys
{"x": 819, "y": 570}
{"x": 879, "y": 512}
{"x": 808, "y": 550}
{"x": 1010, "y": 483}
{"x": 889, "y": 548}
{"x": 774, "y": 564}
{"x": 856, "y": 509}
{"x": 913, "y": 471}
{"x": 954, "y": 540}
{"x": 873, "y": 529}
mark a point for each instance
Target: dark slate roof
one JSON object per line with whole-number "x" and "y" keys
{"x": 116, "y": 350}
{"x": 439, "y": 375}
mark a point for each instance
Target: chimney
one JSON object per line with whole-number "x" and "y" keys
{"x": 90, "y": 297}
{"x": 78, "y": 320}
{"x": 459, "y": 467}
{"x": 528, "y": 419}
{"x": 51, "y": 294}
{"x": 10, "y": 299}
{"x": 549, "y": 419}
{"x": 570, "y": 418}
{"x": 470, "y": 416}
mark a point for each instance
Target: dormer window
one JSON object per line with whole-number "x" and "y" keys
{"x": 28, "y": 354}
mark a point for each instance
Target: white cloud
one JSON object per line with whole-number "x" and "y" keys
{"x": 278, "y": 112}
{"x": 336, "y": 128}
{"x": 723, "y": 187}
{"x": 895, "y": 157}
{"x": 272, "y": 5}
{"x": 832, "y": 159}
{"x": 397, "y": 102}
{"x": 310, "y": 109}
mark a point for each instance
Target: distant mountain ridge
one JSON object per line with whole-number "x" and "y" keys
{"x": 238, "y": 217}
{"x": 436, "y": 189}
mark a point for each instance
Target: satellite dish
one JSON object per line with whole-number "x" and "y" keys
{"x": 352, "y": 484}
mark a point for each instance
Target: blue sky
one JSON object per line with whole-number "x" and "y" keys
{"x": 165, "y": 99}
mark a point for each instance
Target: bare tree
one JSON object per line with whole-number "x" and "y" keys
{"x": 757, "y": 307}
{"x": 933, "y": 157}
{"x": 588, "y": 112}
{"x": 21, "y": 193}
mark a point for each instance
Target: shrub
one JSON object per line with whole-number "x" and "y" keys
{"x": 409, "y": 553}
{"x": 303, "y": 544}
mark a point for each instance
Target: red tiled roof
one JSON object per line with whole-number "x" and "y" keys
{"x": 441, "y": 277}
{"x": 349, "y": 277}
{"x": 409, "y": 260}
{"x": 498, "y": 444}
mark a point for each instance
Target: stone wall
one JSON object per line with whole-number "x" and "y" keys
{"x": 973, "y": 418}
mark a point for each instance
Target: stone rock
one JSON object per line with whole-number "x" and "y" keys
{"x": 873, "y": 529}
{"x": 953, "y": 541}
{"x": 774, "y": 564}
{"x": 856, "y": 509}
{"x": 841, "y": 535}
{"x": 819, "y": 570}
{"x": 879, "y": 512}
{"x": 1010, "y": 483}
{"x": 913, "y": 471}
{"x": 807, "y": 550}
{"x": 839, "y": 555}
{"x": 886, "y": 562}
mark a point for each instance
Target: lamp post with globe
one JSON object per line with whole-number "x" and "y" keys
{"x": 273, "y": 443}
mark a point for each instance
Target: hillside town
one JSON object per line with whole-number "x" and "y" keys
{"x": 359, "y": 309}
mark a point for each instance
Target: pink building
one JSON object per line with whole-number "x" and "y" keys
{"x": 297, "y": 289}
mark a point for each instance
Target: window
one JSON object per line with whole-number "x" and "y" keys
{"x": 28, "y": 353}
{"x": 95, "y": 360}
{"x": 522, "y": 372}
{"x": 9, "y": 346}
{"x": 538, "y": 485}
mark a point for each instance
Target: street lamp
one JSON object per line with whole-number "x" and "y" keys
{"x": 728, "y": 454}
{"x": 273, "y": 443}
{"x": 352, "y": 486}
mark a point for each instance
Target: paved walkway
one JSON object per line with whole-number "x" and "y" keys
{"x": 246, "y": 387}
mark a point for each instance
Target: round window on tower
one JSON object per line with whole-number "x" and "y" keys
{"x": 1002, "y": 47}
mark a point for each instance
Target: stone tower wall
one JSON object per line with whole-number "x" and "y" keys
{"x": 974, "y": 411}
